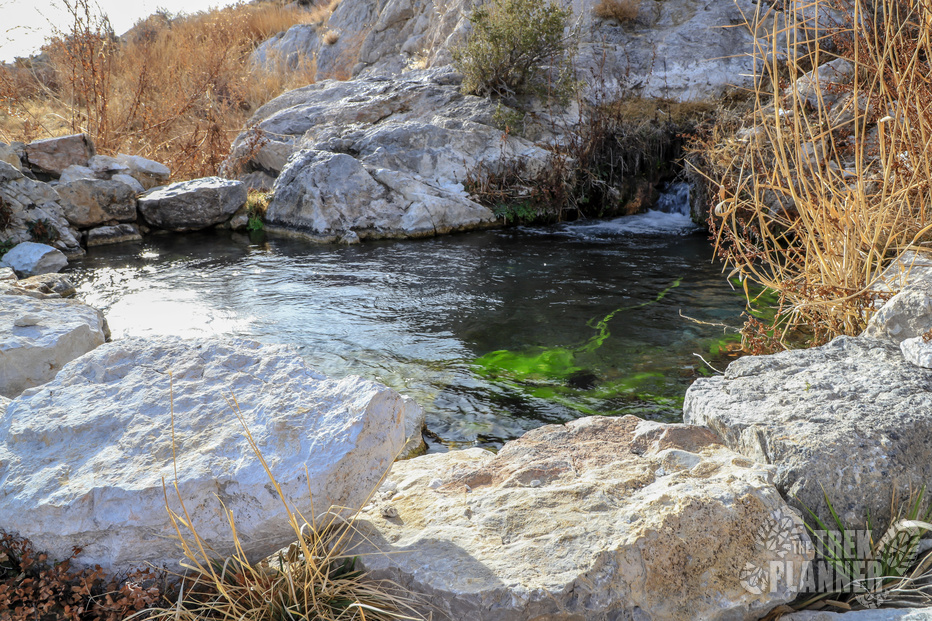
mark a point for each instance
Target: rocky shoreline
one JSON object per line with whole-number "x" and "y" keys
{"x": 600, "y": 518}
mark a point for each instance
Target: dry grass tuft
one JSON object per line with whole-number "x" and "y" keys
{"x": 315, "y": 578}
{"x": 620, "y": 10}
{"x": 816, "y": 194}
{"x": 176, "y": 90}
{"x": 330, "y": 37}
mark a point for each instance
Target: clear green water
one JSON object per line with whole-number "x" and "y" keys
{"x": 492, "y": 332}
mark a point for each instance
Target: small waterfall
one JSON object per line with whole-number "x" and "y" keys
{"x": 669, "y": 216}
{"x": 674, "y": 199}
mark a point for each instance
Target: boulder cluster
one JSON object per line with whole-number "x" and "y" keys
{"x": 60, "y": 193}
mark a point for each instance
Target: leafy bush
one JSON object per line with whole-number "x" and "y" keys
{"x": 32, "y": 587}
{"x": 518, "y": 48}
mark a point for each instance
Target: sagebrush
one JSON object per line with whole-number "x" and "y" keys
{"x": 518, "y": 48}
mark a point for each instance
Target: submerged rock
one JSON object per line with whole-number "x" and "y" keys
{"x": 602, "y": 518}
{"x": 104, "y": 235}
{"x": 85, "y": 457}
{"x": 192, "y": 205}
{"x": 39, "y": 337}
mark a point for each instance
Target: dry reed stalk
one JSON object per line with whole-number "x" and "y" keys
{"x": 812, "y": 205}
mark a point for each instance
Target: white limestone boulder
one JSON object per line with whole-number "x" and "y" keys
{"x": 40, "y": 336}
{"x": 603, "y": 518}
{"x": 83, "y": 458}
{"x": 31, "y": 259}
{"x": 379, "y": 157}
{"x": 192, "y": 205}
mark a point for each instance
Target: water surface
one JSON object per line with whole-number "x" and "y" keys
{"x": 492, "y": 332}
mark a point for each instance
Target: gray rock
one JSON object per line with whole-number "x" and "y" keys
{"x": 30, "y": 259}
{"x": 880, "y": 614}
{"x": 7, "y": 275}
{"x": 908, "y": 314}
{"x": 820, "y": 87}
{"x": 603, "y": 518}
{"x": 105, "y": 166}
{"x": 91, "y": 202}
{"x": 149, "y": 173}
{"x": 918, "y": 351}
{"x": 75, "y": 173}
{"x": 56, "y": 285}
{"x": 31, "y": 201}
{"x": 31, "y": 353}
{"x": 132, "y": 182}
{"x": 677, "y": 49}
{"x": 408, "y": 145}
{"x": 852, "y": 417}
{"x": 8, "y": 154}
{"x": 85, "y": 457}
{"x": 192, "y": 205}
{"x": 53, "y": 155}
{"x": 118, "y": 234}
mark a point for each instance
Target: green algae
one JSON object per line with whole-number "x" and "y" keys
{"x": 567, "y": 375}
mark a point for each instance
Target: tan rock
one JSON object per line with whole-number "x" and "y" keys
{"x": 603, "y": 518}
{"x": 53, "y": 155}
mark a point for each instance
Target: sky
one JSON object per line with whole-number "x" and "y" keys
{"x": 26, "y": 24}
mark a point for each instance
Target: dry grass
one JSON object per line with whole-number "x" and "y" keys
{"x": 177, "y": 90}
{"x": 314, "y": 578}
{"x": 811, "y": 203}
{"x": 620, "y": 10}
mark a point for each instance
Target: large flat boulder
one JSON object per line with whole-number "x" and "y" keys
{"x": 40, "y": 336}
{"x": 83, "y": 459}
{"x": 192, "y": 205}
{"x": 53, "y": 155}
{"x": 403, "y": 146}
{"x": 599, "y": 519}
{"x": 852, "y": 417}
{"x": 92, "y": 202}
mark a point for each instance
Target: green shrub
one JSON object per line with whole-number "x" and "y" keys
{"x": 518, "y": 48}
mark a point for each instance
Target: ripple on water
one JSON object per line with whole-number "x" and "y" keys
{"x": 423, "y": 315}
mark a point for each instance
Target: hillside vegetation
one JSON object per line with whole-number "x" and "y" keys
{"x": 174, "y": 89}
